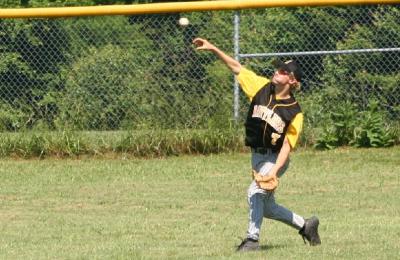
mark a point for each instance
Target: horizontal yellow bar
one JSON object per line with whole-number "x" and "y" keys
{"x": 178, "y": 7}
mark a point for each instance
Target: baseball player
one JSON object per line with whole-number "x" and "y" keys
{"x": 273, "y": 125}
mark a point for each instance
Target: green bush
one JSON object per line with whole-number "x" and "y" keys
{"x": 372, "y": 131}
{"x": 103, "y": 93}
{"x": 362, "y": 77}
{"x": 348, "y": 126}
{"x": 32, "y": 55}
{"x": 11, "y": 119}
{"x": 339, "y": 130}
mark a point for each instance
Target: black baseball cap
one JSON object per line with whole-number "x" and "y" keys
{"x": 289, "y": 66}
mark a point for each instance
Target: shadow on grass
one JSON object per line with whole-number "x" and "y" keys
{"x": 270, "y": 247}
{"x": 264, "y": 248}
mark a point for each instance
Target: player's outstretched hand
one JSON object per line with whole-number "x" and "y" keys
{"x": 203, "y": 44}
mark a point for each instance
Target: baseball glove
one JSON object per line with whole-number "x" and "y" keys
{"x": 268, "y": 183}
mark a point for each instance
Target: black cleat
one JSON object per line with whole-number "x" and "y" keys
{"x": 248, "y": 244}
{"x": 310, "y": 231}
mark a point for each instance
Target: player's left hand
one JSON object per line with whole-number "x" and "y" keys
{"x": 268, "y": 183}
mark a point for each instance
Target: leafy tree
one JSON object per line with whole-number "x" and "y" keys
{"x": 32, "y": 55}
{"x": 102, "y": 92}
{"x": 370, "y": 75}
{"x": 50, "y": 69}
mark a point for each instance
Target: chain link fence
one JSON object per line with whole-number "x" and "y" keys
{"x": 348, "y": 54}
{"x": 131, "y": 72}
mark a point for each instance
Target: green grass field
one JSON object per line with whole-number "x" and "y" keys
{"x": 195, "y": 207}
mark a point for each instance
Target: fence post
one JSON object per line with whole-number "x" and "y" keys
{"x": 236, "y": 54}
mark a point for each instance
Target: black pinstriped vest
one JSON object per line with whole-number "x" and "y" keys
{"x": 268, "y": 119}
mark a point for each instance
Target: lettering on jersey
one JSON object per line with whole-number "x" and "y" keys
{"x": 270, "y": 117}
{"x": 274, "y": 138}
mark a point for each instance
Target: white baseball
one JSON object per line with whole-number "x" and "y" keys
{"x": 183, "y": 21}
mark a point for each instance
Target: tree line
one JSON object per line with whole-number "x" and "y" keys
{"x": 124, "y": 72}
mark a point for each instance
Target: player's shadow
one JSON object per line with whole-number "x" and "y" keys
{"x": 270, "y": 247}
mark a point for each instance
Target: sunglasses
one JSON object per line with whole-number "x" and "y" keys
{"x": 285, "y": 72}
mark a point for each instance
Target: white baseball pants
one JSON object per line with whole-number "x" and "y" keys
{"x": 262, "y": 203}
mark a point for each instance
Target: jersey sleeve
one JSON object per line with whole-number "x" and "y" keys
{"x": 294, "y": 129}
{"x": 250, "y": 82}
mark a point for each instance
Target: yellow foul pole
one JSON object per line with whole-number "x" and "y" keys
{"x": 177, "y": 7}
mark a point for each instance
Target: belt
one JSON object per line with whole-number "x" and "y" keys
{"x": 261, "y": 150}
